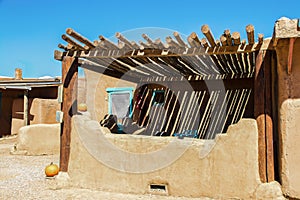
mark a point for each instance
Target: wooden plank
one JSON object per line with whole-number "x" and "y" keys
{"x": 259, "y": 114}
{"x": 68, "y": 107}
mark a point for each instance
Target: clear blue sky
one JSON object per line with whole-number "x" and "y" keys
{"x": 30, "y": 30}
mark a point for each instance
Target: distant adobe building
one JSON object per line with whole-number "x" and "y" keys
{"x": 25, "y": 101}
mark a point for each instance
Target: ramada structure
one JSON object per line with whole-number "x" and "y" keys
{"x": 187, "y": 93}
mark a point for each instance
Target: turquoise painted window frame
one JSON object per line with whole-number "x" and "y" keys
{"x": 120, "y": 90}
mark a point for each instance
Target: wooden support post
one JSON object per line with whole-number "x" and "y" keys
{"x": 25, "y": 112}
{"x": 290, "y": 55}
{"x": 269, "y": 117}
{"x": 263, "y": 115}
{"x": 69, "y": 107}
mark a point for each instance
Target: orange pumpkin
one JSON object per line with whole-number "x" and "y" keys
{"x": 51, "y": 170}
{"x": 82, "y": 107}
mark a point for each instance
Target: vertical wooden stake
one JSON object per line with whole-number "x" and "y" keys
{"x": 69, "y": 107}
{"x": 25, "y": 111}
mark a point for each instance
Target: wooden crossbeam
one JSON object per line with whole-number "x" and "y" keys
{"x": 80, "y": 38}
{"x": 72, "y": 42}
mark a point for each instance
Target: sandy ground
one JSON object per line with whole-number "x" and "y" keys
{"x": 22, "y": 177}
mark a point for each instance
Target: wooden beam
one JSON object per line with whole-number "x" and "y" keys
{"x": 263, "y": 115}
{"x": 223, "y": 40}
{"x": 150, "y": 41}
{"x": 80, "y": 38}
{"x": 68, "y": 107}
{"x": 204, "y": 42}
{"x": 250, "y": 33}
{"x": 228, "y": 37}
{"x": 107, "y": 43}
{"x": 236, "y": 38}
{"x": 58, "y": 55}
{"x": 206, "y": 31}
{"x": 124, "y": 40}
{"x": 260, "y": 38}
{"x": 259, "y": 102}
{"x": 196, "y": 39}
{"x": 290, "y": 55}
{"x": 72, "y": 42}
{"x": 269, "y": 117}
{"x": 179, "y": 39}
{"x": 172, "y": 43}
{"x": 61, "y": 46}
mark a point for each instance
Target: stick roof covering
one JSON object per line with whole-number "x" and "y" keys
{"x": 197, "y": 58}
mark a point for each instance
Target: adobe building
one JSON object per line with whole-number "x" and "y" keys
{"x": 196, "y": 118}
{"x": 26, "y": 101}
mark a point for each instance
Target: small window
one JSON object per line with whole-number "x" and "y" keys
{"x": 158, "y": 97}
{"x": 119, "y": 102}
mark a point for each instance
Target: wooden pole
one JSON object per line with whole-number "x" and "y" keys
{"x": 80, "y": 38}
{"x": 263, "y": 115}
{"x": 25, "y": 113}
{"x": 250, "y": 33}
{"x": 206, "y": 31}
{"x": 69, "y": 107}
{"x": 259, "y": 102}
{"x": 269, "y": 117}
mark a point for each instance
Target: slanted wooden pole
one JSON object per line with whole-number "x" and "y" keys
{"x": 69, "y": 107}
{"x": 263, "y": 115}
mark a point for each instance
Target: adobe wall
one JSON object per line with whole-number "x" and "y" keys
{"x": 288, "y": 106}
{"x": 41, "y": 111}
{"x": 96, "y": 95}
{"x": 226, "y": 167}
{"x": 38, "y": 139}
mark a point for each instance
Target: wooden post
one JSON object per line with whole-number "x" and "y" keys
{"x": 69, "y": 107}
{"x": 25, "y": 111}
{"x": 263, "y": 115}
{"x": 269, "y": 117}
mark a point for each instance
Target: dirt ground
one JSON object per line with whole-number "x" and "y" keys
{"x": 22, "y": 177}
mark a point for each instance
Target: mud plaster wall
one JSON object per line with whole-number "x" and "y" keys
{"x": 96, "y": 95}
{"x": 289, "y": 117}
{"x": 226, "y": 167}
{"x": 41, "y": 111}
